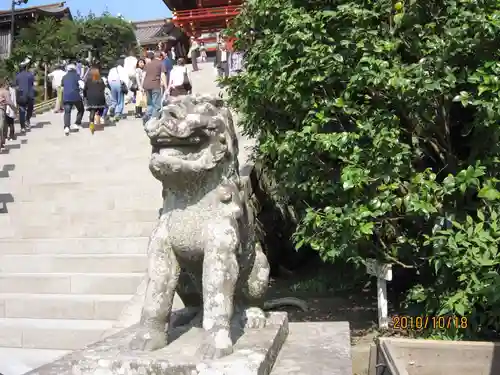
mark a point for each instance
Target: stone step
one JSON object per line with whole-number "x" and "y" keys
{"x": 76, "y": 175}
{"x": 144, "y": 188}
{"x": 120, "y": 146}
{"x": 9, "y": 229}
{"x": 118, "y": 245}
{"x": 82, "y": 148}
{"x": 84, "y": 158}
{"x": 50, "y": 333}
{"x": 16, "y": 361}
{"x": 87, "y": 201}
{"x": 56, "y": 141}
{"x": 62, "y": 306}
{"x": 78, "y": 263}
{"x": 82, "y": 166}
{"x": 61, "y": 216}
{"x": 70, "y": 283}
{"x": 90, "y": 179}
{"x": 85, "y": 161}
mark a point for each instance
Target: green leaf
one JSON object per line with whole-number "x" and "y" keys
{"x": 489, "y": 193}
{"x": 437, "y": 265}
{"x": 460, "y": 309}
{"x": 347, "y": 185}
{"x": 398, "y": 18}
{"x": 367, "y": 228}
{"x": 493, "y": 215}
{"x": 480, "y": 215}
{"x": 299, "y": 244}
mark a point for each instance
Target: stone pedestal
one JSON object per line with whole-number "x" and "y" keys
{"x": 316, "y": 348}
{"x": 255, "y": 352}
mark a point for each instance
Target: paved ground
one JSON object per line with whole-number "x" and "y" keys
{"x": 75, "y": 215}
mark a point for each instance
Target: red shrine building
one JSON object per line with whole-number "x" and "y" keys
{"x": 203, "y": 19}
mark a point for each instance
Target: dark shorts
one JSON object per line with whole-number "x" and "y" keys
{"x": 97, "y": 111}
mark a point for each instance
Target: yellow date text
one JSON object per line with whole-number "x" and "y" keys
{"x": 425, "y": 322}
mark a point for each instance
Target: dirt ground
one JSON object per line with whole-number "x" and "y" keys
{"x": 330, "y": 298}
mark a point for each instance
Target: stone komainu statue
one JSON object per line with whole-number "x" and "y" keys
{"x": 204, "y": 241}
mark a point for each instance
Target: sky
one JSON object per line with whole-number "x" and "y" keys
{"x": 132, "y": 10}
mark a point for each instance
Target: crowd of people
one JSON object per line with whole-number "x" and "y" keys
{"x": 145, "y": 81}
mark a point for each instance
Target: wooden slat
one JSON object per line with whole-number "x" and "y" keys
{"x": 206, "y": 13}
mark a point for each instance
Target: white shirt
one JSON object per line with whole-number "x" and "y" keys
{"x": 139, "y": 77}
{"x": 10, "y": 112}
{"x": 118, "y": 74}
{"x": 177, "y": 76}
{"x": 130, "y": 64}
{"x": 57, "y": 76}
{"x": 223, "y": 56}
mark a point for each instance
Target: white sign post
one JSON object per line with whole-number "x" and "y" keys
{"x": 383, "y": 272}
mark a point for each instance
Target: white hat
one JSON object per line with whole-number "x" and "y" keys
{"x": 71, "y": 67}
{"x": 25, "y": 62}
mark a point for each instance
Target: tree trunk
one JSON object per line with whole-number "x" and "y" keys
{"x": 45, "y": 88}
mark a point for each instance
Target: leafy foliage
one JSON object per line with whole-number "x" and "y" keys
{"x": 107, "y": 37}
{"x": 380, "y": 120}
{"x": 41, "y": 42}
{"x": 49, "y": 40}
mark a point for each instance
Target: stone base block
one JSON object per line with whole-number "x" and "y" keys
{"x": 255, "y": 352}
{"x": 316, "y": 348}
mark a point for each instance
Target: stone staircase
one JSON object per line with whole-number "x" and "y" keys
{"x": 77, "y": 213}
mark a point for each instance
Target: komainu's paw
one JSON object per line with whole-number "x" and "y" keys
{"x": 254, "y": 317}
{"x": 217, "y": 344}
{"x": 147, "y": 339}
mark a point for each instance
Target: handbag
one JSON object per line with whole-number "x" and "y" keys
{"x": 141, "y": 100}
{"x": 186, "y": 83}
{"x": 124, "y": 87}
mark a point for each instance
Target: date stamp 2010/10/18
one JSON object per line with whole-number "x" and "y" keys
{"x": 424, "y": 322}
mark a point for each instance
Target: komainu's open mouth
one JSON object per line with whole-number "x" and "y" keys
{"x": 189, "y": 137}
{"x": 170, "y": 142}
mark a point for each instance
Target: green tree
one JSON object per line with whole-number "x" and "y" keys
{"x": 106, "y": 36}
{"x": 42, "y": 41}
{"x": 49, "y": 40}
{"x": 380, "y": 121}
